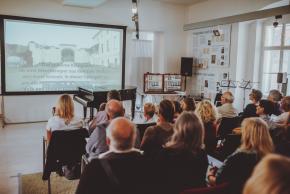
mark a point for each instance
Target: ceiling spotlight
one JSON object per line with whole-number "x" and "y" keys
{"x": 276, "y": 23}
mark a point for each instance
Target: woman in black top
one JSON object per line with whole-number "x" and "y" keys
{"x": 156, "y": 136}
{"x": 237, "y": 168}
{"x": 250, "y": 111}
{"x": 182, "y": 163}
{"x": 208, "y": 114}
{"x": 275, "y": 96}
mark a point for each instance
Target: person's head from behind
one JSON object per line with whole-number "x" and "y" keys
{"x": 227, "y": 97}
{"x": 188, "y": 104}
{"x": 121, "y": 134}
{"x": 177, "y": 107}
{"x": 275, "y": 96}
{"x": 188, "y": 133}
{"x": 149, "y": 110}
{"x": 113, "y": 95}
{"x": 206, "y": 111}
{"x": 65, "y": 107}
{"x": 102, "y": 106}
{"x": 256, "y": 136}
{"x": 270, "y": 176}
{"x": 114, "y": 109}
{"x": 285, "y": 104}
{"x": 255, "y": 96}
{"x": 265, "y": 107}
{"x": 166, "y": 111}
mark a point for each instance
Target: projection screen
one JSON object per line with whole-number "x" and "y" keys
{"x": 46, "y": 56}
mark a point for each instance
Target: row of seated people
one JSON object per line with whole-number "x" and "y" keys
{"x": 154, "y": 137}
{"x": 176, "y": 164}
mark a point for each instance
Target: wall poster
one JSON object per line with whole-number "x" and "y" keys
{"x": 211, "y": 46}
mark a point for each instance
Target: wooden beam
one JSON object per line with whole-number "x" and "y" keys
{"x": 239, "y": 18}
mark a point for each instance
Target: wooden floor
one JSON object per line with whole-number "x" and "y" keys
{"x": 20, "y": 152}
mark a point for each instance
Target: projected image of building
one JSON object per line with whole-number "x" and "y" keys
{"x": 105, "y": 51}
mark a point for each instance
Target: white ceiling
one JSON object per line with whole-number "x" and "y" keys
{"x": 182, "y": 2}
{"x": 95, "y": 3}
{"x": 83, "y": 3}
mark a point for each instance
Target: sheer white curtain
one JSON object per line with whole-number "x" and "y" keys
{"x": 141, "y": 57}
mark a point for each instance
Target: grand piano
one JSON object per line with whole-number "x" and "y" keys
{"x": 92, "y": 98}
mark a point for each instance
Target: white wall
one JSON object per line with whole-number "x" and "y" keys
{"x": 154, "y": 16}
{"x": 213, "y": 9}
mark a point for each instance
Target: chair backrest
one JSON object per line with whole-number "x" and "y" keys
{"x": 141, "y": 127}
{"x": 65, "y": 148}
{"x": 218, "y": 189}
{"x": 227, "y": 125}
{"x": 231, "y": 143}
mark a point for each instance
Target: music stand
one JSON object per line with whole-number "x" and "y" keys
{"x": 228, "y": 84}
{"x": 245, "y": 85}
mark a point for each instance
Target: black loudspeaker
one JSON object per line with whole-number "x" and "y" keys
{"x": 186, "y": 66}
{"x": 281, "y": 78}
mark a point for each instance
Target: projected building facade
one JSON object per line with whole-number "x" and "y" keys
{"x": 105, "y": 51}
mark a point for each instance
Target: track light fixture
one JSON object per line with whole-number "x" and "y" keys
{"x": 135, "y": 16}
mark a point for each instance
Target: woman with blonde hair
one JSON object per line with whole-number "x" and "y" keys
{"x": 270, "y": 176}
{"x": 63, "y": 118}
{"x": 237, "y": 168}
{"x": 208, "y": 114}
{"x": 149, "y": 113}
{"x": 183, "y": 162}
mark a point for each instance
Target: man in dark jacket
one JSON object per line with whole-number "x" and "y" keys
{"x": 119, "y": 169}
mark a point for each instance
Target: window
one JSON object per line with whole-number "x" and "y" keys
{"x": 276, "y": 56}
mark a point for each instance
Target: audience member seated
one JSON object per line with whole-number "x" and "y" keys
{"x": 119, "y": 169}
{"x": 281, "y": 120}
{"x": 188, "y": 104}
{"x": 156, "y": 136}
{"x": 283, "y": 145}
{"x": 264, "y": 110}
{"x": 250, "y": 111}
{"x": 183, "y": 162}
{"x": 208, "y": 114}
{"x": 177, "y": 109}
{"x": 101, "y": 116}
{"x": 64, "y": 118}
{"x": 270, "y": 176}
{"x": 226, "y": 109}
{"x": 237, "y": 168}
{"x": 149, "y": 113}
{"x": 275, "y": 96}
{"x": 97, "y": 141}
